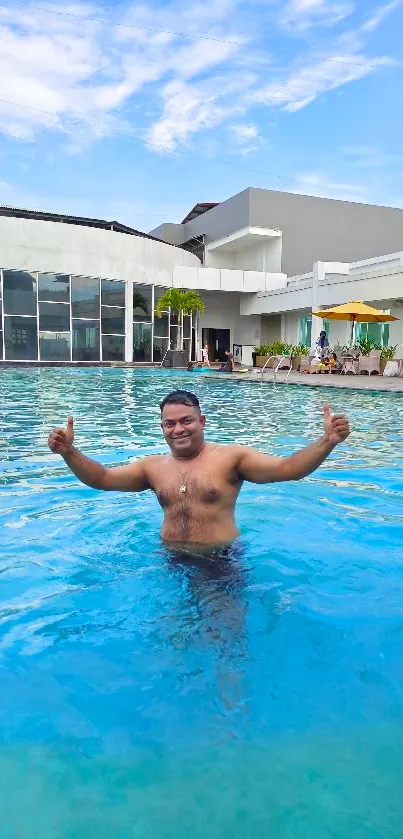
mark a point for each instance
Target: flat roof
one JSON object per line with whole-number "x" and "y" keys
{"x": 41, "y": 215}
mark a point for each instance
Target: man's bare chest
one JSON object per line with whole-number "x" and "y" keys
{"x": 204, "y": 485}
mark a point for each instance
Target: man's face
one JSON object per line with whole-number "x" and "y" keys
{"x": 183, "y": 429}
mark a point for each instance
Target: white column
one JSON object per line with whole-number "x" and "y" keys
{"x": 283, "y": 330}
{"x": 317, "y": 323}
{"x": 129, "y": 321}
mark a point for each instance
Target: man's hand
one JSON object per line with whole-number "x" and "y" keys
{"x": 60, "y": 440}
{"x": 336, "y": 427}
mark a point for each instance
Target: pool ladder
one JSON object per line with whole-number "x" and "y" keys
{"x": 169, "y": 347}
{"x": 275, "y": 369}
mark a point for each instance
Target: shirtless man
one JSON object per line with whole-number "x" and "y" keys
{"x": 198, "y": 483}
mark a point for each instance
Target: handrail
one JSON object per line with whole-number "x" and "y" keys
{"x": 169, "y": 347}
{"x": 275, "y": 369}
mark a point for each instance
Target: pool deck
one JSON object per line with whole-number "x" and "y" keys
{"x": 379, "y": 383}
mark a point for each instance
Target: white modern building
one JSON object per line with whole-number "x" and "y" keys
{"x": 75, "y": 290}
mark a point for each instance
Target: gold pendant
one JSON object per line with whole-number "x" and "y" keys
{"x": 183, "y": 488}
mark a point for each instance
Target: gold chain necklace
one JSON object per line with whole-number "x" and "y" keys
{"x": 185, "y": 480}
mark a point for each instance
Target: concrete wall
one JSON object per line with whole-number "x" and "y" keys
{"x": 88, "y": 251}
{"x": 270, "y": 328}
{"x": 313, "y": 228}
{"x": 223, "y": 312}
{"x": 172, "y": 233}
{"x": 264, "y": 255}
{"x": 324, "y": 229}
{"x": 224, "y": 279}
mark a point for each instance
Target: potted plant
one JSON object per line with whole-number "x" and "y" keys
{"x": 183, "y": 302}
{"x": 279, "y": 349}
{"x": 262, "y": 354}
{"x": 387, "y": 354}
{"x": 297, "y": 351}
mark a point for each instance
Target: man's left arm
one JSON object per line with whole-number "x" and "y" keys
{"x": 259, "y": 468}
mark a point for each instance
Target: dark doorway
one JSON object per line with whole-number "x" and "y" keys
{"x": 218, "y": 341}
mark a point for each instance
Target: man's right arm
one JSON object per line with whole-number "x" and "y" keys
{"x": 130, "y": 478}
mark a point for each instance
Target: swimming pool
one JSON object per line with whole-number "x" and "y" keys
{"x": 144, "y": 700}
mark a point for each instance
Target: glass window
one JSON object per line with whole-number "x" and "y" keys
{"x": 142, "y": 302}
{"x": 113, "y": 348}
{"x": 113, "y": 320}
{"x": 186, "y": 326}
{"x": 54, "y": 287}
{"x": 113, "y": 293}
{"x": 377, "y": 333}
{"x": 160, "y": 348}
{"x": 193, "y": 352}
{"x": 1, "y": 311}
{"x": 19, "y": 291}
{"x": 86, "y": 340}
{"x": 141, "y": 342}
{"x": 306, "y": 331}
{"x": 1, "y": 345}
{"x": 20, "y": 337}
{"x": 54, "y": 346}
{"x": 161, "y": 326}
{"x": 54, "y": 317}
{"x": 85, "y": 297}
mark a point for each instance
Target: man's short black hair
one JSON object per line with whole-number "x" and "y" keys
{"x": 180, "y": 397}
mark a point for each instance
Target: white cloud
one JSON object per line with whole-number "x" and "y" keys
{"x": 319, "y": 184}
{"x": 87, "y": 79}
{"x": 187, "y": 109}
{"x": 380, "y": 14}
{"x": 77, "y": 76}
{"x": 245, "y": 132}
{"x": 306, "y": 83}
{"x": 300, "y": 15}
{"x": 245, "y": 136}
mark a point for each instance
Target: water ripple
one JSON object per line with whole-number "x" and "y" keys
{"x": 108, "y": 645}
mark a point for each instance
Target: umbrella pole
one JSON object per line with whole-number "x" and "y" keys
{"x": 352, "y": 330}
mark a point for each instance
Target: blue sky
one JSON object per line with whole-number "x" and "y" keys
{"x": 136, "y": 111}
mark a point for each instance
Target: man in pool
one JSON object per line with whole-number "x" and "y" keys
{"x": 197, "y": 484}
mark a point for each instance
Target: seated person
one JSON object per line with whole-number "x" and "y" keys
{"x": 228, "y": 366}
{"x": 334, "y": 364}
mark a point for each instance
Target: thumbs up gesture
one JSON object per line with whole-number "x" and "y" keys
{"x": 60, "y": 440}
{"x": 336, "y": 426}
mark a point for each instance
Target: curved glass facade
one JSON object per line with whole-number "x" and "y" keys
{"x": 67, "y": 318}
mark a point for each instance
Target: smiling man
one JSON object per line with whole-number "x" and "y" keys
{"x": 197, "y": 483}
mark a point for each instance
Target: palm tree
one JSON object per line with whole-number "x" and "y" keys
{"x": 184, "y": 303}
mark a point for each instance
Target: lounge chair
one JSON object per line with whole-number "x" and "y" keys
{"x": 370, "y": 364}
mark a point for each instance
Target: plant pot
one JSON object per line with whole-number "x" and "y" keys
{"x": 253, "y": 359}
{"x": 261, "y": 360}
{"x": 382, "y": 365}
{"x": 296, "y": 362}
{"x": 175, "y": 358}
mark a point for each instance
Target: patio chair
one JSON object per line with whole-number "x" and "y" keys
{"x": 370, "y": 364}
{"x": 350, "y": 365}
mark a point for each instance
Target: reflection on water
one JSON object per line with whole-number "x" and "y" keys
{"x": 146, "y": 694}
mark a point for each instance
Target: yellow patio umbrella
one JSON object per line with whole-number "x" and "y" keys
{"x": 355, "y": 312}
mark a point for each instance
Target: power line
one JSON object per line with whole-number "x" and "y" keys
{"x": 176, "y": 34}
{"x": 166, "y": 149}
{"x": 131, "y": 25}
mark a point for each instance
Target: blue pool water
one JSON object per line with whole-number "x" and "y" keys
{"x": 149, "y": 701}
